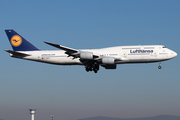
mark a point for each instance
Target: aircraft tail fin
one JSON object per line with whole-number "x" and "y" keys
{"x": 18, "y": 43}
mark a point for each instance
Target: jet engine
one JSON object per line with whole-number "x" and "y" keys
{"x": 86, "y": 55}
{"x": 108, "y": 60}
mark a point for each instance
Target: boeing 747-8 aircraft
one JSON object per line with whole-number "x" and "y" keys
{"x": 90, "y": 58}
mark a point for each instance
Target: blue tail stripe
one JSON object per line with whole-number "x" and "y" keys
{"x": 18, "y": 43}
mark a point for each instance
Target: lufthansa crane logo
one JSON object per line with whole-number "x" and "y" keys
{"x": 16, "y": 40}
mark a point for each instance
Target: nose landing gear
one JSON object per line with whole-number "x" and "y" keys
{"x": 159, "y": 65}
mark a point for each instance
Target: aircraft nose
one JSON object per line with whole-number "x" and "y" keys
{"x": 174, "y": 54}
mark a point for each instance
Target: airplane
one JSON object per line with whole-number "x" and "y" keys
{"x": 92, "y": 59}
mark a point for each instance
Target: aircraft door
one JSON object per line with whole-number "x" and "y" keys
{"x": 154, "y": 54}
{"x": 124, "y": 53}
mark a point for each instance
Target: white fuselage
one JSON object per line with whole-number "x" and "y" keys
{"x": 125, "y": 54}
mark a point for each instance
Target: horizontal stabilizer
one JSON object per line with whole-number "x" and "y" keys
{"x": 17, "y": 53}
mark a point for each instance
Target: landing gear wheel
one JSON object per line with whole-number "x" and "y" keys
{"x": 87, "y": 69}
{"x": 93, "y": 67}
{"x": 95, "y": 70}
{"x": 159, "y": 67}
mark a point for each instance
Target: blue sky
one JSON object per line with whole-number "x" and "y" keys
{"x": 69, "y": 92}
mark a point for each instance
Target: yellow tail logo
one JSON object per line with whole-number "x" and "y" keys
{"x": 16, "y": 40}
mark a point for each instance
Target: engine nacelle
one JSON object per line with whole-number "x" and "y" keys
{"x": 108, "y": 60}
{"x": 86, "y": 55}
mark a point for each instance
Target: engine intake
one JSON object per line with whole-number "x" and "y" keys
{"x": 86, "y": 55}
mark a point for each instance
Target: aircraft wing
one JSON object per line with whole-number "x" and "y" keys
{"x": 67, "y": 49}
{"x": 16, "y": 53}
{"x": 70, "y": 51}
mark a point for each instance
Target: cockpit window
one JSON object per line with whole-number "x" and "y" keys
{"x": 164, "y": 47}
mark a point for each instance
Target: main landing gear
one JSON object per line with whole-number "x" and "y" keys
{"x": 94, "y": 67}
{"x": 159, "y": 65}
